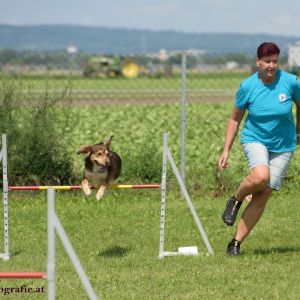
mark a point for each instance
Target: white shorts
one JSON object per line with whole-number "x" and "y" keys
{"x": 278, "y": 163}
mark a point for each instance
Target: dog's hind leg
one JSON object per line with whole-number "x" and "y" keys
{"x": 85, "y": 187}
{"x": 100, "y": 192}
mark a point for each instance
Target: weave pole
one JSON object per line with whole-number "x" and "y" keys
{"x": 79, "y": 187}
{"x": 3, "y": 156}
{"x": 183, "y": 117}
{"x": 23, "y": 275}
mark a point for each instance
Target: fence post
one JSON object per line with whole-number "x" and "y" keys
{"x": 183, "y": 115}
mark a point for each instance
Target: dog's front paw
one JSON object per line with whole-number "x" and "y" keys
{"x": 100, "y": 193}
{"x": 85, "y": 187}
{"x": 87, "y": 190}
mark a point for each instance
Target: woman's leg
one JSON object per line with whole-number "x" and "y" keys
{"x": 255, "y": 184}
{"x": 257, "y": 180}
{"x": 252, "y": 213}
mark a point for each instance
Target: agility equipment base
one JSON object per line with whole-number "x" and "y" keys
{"x": 182, "y": 250}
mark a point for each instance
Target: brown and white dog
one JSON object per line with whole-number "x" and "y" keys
{"x": 102, "y": 167}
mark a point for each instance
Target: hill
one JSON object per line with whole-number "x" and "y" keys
{"x": 125, "y": 41}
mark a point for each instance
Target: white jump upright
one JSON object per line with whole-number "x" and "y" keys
{"x": 54, "y": 225}
{"x": 168, "y": 157}
{"x": 3, "y": 158}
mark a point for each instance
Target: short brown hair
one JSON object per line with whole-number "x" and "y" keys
{"x": 267, "y": 49}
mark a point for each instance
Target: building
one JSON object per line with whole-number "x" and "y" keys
{"x": 163, "y": 54}
{"x": 72, "y": 50}
{"x": 294, "y": 55}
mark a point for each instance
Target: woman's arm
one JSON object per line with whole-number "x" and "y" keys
{"x": 232, "y": 129}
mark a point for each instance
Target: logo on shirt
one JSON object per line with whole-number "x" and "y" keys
{"x": 282, "y": 97}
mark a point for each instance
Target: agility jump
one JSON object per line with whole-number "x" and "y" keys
{"x": 166, "y": 157}
{"x": 79, "y": 187}
{"x": 23, "y": 275}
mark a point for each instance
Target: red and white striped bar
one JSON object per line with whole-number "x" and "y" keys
{"x": 23, "y": 275}
{"x": 78, "y": 187}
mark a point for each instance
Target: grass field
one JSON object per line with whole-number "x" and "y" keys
{"x": 117, "y": 241}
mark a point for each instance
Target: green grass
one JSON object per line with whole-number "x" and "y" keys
{"x": 117, "y": 241}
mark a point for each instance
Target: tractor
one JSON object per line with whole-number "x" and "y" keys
{"x": 110, "y": 67}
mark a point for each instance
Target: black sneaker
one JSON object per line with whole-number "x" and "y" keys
{"x": 231, "y": 210}
{"x": 233, "y": 248}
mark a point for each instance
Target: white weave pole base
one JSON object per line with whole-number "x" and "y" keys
{"x": 4, "y": 256}
{"x": 192, "y": 250}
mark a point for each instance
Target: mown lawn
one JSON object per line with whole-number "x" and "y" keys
{"x": 117, "y": 241}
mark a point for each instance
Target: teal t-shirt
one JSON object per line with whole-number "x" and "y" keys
{"x": 270, "y": 119}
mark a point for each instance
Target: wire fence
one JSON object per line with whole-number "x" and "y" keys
{"x": 135, "y": 98}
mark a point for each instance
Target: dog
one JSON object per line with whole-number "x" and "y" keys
{"x": 102, "y": 167}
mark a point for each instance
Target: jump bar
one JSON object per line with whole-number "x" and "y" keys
{"x": 78, "y": 187}
{"x": 23, "y": 275}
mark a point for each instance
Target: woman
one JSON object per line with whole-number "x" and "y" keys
{"x": 269, "y": 138}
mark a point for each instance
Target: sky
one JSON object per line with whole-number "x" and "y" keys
{"x": 195, "y": 16}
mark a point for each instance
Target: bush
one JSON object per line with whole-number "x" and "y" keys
{"x": 35, "y": 134}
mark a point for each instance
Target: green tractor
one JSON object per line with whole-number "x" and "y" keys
{"x": 110, "y": 67}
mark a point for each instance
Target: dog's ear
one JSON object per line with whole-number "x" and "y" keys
{"x": 108, "y": 142}
{"x": 84, "y": 149}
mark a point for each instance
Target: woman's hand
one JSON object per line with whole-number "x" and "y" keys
{"x": 223, "y": 161}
